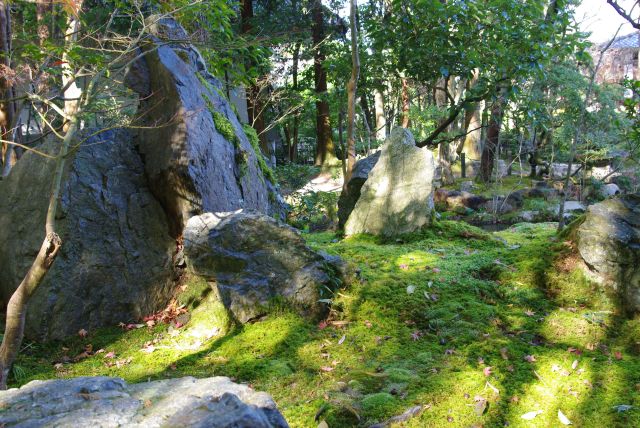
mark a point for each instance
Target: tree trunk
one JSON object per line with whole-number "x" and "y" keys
{"x": 352, "y": 88}
{"x": 406, "y": 103}
{"x": 381, "y": 120}
{"x": 7, "y": 93}
{"x": 17, "y": 306}
{"x": 255, "y": 106}
{"x": 71, "y": 90}
{"x": 325, "y": 150}
{"x": 491, "y": 144}
{"x": 293, "y": 149}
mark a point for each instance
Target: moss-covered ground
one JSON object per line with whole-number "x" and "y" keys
{"x": 477, "y": 329}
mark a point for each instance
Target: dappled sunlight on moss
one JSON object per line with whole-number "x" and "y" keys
{"x": 439, "y": 320}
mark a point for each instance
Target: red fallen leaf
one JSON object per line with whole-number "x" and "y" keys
{"x": 110, "y": 355}
{"x": 574, "y": 350}
{"x": 58, "y": 63}
{"x": 150, "y": 323}
{"x": 618, "y": 355}
{"x": 322, "y": 325}
{"x": 530, "y": 358}
{"x": 416, "y": 335}
{"x": 487, "y": 371}
{"x": 83, "y": 333}
{"x": 178, "y": 324}
{"x": 327, "y": 369}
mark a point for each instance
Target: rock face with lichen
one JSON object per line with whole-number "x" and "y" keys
{"x": 116, "y": 262}
{"x": 609, "y": 243}
{"x": 250, "y": 260}
{"x": 197, "y": 155}
{"x": 397, "y": 197}
{"x": 110, "y": 402}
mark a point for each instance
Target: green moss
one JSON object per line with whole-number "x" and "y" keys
{"x": 224, "y": 127}
{"x": 476, "y": 300}
{"x": 378, "y": 404}
{"x": 255, "y": 143}
{"x": 184, "y": 56}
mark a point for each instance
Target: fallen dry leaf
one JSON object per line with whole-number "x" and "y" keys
{"x": 563, "y": 419}
{"x": 504, "y": 353}
{"x": 83, "y": 333}
{"x": 531, "y": 415}
{"x": 530, "y": 358}
{"x": 487, "y": 371}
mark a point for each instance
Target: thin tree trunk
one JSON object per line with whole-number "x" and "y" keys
{"x": 352, "y": 88}
{"x": 325, "y": 150}
{"x": 491, "y": 144}
{"x": 406, "y": 103}
{"x": 255, "y": 106}
{"x": 293, "y": 150}
{"x": 578, "y": 132}
{"x": 72, "y": 91}
{"x": 381, "y": 120}
{"x": 17, "y": 306}
{"x": 7, "y": 94}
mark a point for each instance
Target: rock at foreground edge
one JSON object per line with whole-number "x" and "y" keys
{"x": 197, "y": 156}
{"x": 609, "y": 242}
{"x": 397, "y": 197}
{"x": 110, "y": 402}
{"x": 116, "y": 261}
{"x": 251, "y": 259}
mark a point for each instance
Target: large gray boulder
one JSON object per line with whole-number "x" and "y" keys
{"x": 110, "y": 402}
{"x": 116, "y": 262}
{"x": 197, "y": 155}
{"x": 397, "y": 197}
{"x": 250, "y": 260}
{"x": 348, "y": 199}
{"x": 609, "y": 243}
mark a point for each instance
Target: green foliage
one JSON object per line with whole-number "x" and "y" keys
{"x": 313, "y": 210}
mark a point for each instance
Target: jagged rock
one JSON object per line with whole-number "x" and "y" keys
{"x": 110, "y": 402}
{"x": 397, "y": 197}
{"x": 250, "y": 259}
{"x": 197, "y": 155}
{"x": 609, "y": 243}
{"x": 115, "y": 264}
{"x": 348, "y": 199}
{"x": 452, "y": 199}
